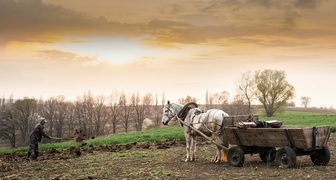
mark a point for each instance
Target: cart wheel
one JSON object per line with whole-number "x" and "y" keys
{"x": 286, "y": 157}
{"x": 321, "y": 157}
{"x": 268, "y": 155}
{"x": 236, "y": 156}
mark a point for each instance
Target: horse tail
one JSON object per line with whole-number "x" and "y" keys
{"x": 223, "y": 124}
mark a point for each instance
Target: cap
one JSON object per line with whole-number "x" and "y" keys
{"x": 42, "y": 118}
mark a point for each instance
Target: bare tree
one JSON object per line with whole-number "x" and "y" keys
{"x": 221, "y": 98}
{"x": 71, "y": 120}
{"x": 84, "y": 107}
{"x": 25, "y": 115}
{"x": 211, "y": 99}
{"x": 163, "y": 100}
{"x": 125, "y": 111}
{"x": 291, "y": 103}
{"x": 272, "y": 90}
{"x": 157, "y": 111}
{"x": 48, "y": 109}
{"x": 138, "y": 112}
{"x": 79, "y": 114}
{"x": 61, "y": 115}
{"x": 100, "y": 116}
{"x": 7, "y": 122}
{"x": 88, "y": 108}
{"x": 305, "y": 101}
{"x": 239, "y": 106}
{"x": 245, "y": 85}
{"x": 141, "y": 108}
{"x": 147, "y": 102}
{"x": 186, "y": 100}
{"x": 115, "y": 110}
{"x": 207, "y": 99}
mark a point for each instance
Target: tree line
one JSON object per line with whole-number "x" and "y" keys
{"x": 96, "y": 116}
{"x": 100, "y": 115}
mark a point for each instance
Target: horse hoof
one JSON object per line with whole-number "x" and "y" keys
{"x": 215, "y": 160}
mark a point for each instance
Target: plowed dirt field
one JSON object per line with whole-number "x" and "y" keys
{"x": 160, "y": 160}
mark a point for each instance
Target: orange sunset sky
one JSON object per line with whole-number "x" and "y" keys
{"x": 176, "y": 47}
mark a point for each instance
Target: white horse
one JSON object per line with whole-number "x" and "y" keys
{"x": 210, "y": 123}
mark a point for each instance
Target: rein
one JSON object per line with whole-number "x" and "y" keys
{"x": 202, "y": 134}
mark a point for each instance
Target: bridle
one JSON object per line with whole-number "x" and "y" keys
{"x": 168, "y": 111}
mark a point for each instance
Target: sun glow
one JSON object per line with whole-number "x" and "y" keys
{"x": 114, "y": 50}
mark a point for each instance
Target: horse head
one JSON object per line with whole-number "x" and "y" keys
{"x": 171, "y": 110}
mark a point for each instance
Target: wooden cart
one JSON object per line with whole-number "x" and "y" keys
{"x": 280, "y": 144}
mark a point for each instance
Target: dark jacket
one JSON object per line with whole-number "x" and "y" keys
{"x": 37, "y": 133}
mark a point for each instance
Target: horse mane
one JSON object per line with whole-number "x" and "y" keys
{"x": 184, "y": 111}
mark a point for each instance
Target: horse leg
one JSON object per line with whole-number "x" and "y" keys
{"x": 217, "y": 158}
{"x": 188, "y": 143}
{"x": 193, "y": 148}
{"x": 224, "y": 151}
{"x": 224, "y": 155}
{"x": 219, "y": 154}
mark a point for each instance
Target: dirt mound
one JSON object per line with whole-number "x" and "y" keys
{"x": 159, "y": 160}
{"x": 74, "y": 152}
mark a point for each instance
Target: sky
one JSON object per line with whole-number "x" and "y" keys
{"x": 177, "y": 48}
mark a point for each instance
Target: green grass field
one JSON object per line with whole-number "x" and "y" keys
{"x": 294, "y": 118}
{"x": 175, "y": 132}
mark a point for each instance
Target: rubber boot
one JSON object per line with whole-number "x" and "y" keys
{"x": 224, "y": 156}
{"x": 28, "y": 155}
{"x": 36, "y": 155}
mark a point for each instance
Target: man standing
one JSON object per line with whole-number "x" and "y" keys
{"x": 35, "y": 137}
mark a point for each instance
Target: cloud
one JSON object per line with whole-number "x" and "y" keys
{"x": 250, "y": 20}
{"x": 61, "y": 57}
{"x": 285, "y": 12}
{"x": 214, "y": 5}
{"x": 173, "y": 23}
{"x": 35, "y": 21}
{"x": 310, "y": 4}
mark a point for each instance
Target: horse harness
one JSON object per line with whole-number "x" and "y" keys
{"x": 197, "y": 113}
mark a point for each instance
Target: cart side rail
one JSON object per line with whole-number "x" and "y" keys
{"x": 291, "y": 136}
